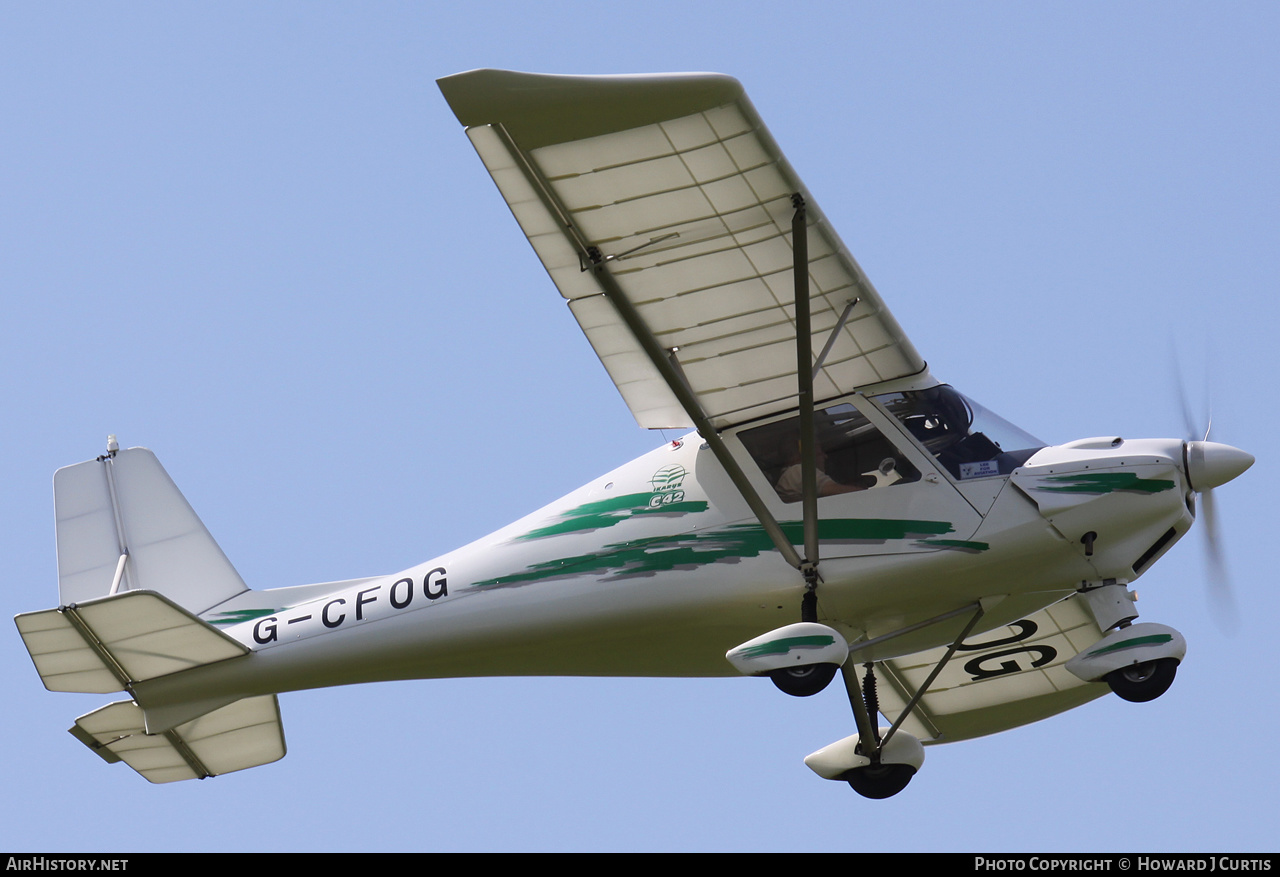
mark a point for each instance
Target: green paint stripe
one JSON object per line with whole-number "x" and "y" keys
{"x": 613, "y": 504}
{"x": 959, "y": 544}
{"x": 611, "y": 512}
{"x": 688, "y": 551}
{"x": 786, "y": 644}
{"x": 1106, "y": 482}
{"x": 1154, "y": 639}
{"x": 674, "y": 508}
{"x": 866, "y": 529}
{"x": 227, "y": 618}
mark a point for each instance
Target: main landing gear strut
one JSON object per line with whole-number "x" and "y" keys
{"x": 880, "y": 762}
{"x": 876, "y": 762}
{"x": 878, "y": 778}
{"x": 802, "y": 659}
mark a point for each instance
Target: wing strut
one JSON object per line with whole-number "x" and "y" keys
{"x": 924, "y": 686}
{"x": 663, "y": 360}
{"x": 835, "y": 334}
{"x": 804, "y": 393}
{"x": 862, "y": 693}
{"x": 804, "y": 380}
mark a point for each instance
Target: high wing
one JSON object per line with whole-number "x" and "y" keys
{"x": 661, "y": 208}
{"x": 1008, "y": 677}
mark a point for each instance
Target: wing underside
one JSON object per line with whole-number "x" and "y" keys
{"x": 1012, "y": 676}
{"x": 674, "y": 185}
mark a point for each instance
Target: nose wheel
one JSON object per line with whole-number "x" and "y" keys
{"x": 1139, "y": 683}
{"x": 1137, "y": 661}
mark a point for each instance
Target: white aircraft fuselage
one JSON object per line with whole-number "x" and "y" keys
{"x": 658, "y": 567}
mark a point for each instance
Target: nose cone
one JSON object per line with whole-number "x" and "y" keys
{"x": 1210, "y": 464}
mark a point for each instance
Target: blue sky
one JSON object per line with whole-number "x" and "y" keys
{"x": 253, "y": 238}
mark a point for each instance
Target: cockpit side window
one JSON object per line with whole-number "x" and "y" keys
{"x": 966, "y": 439}
{"x": 852, "y": 454}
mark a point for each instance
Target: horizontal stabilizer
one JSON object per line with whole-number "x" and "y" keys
{"x": 245, "y": 734}
{"x": 107, "y": 644}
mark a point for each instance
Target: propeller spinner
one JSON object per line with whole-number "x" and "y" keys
{"x": 1209, "y": 465}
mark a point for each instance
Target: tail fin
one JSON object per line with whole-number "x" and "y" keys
{"x": 123, "y": 525}
{"x": 135, "y": 567}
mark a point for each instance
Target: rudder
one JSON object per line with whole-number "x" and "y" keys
{"x": 123, "y": 525}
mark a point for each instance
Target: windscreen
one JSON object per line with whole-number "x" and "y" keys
{"x": 966, "y": 439}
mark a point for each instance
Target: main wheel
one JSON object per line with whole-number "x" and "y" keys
{"x": 1143, "y": 682}
{"x": 804, "y": 681}
{"x": 880, "y": 780}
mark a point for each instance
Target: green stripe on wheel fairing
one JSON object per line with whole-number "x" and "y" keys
{"x": 1154, "y": 640}
{"x": 786, "y": 644}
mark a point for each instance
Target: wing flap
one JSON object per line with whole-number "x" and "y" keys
{"x": 682, "y": 192}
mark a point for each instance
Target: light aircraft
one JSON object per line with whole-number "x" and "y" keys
{"x": 835, "y": 508}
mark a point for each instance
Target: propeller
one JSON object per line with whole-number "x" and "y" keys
{"x": 1209, "y": 465}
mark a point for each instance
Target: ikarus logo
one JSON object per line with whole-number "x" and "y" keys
{"x": 666, "y": 486}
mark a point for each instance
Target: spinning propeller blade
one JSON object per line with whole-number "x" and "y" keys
{"x": 1222, "y": 601}
{"x": 1209, "y": 465}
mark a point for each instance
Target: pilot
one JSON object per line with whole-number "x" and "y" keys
{"x": 791, "y": 482}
